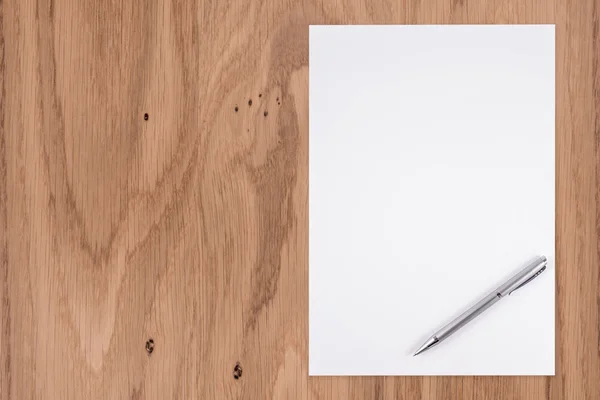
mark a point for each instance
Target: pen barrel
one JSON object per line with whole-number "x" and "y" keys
{"x": 526, "y": 275}
{"x": 468, "y": 316}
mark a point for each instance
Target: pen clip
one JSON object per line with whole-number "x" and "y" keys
{"x": 528, "y": 280}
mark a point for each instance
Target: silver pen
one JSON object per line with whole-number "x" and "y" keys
{"x": 525, "y": 276}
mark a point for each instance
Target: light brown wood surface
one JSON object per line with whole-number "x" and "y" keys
{"x": 191, "y": 228}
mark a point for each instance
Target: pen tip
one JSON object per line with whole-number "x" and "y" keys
{"x": 419, "y": 351}
{"x": 432, "y": 341}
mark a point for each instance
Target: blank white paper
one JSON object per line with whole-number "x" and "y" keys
{"x": 431, "y": 182}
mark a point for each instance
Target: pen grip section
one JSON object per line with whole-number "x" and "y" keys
{"x": 468, "y": 316}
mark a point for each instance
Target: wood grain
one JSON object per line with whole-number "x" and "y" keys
{"x": 190, "y": 228}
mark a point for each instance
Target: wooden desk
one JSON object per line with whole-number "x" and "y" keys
{"x": 190, "y": 228}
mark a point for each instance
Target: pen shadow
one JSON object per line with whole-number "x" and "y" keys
{"x": 480, "y": 295}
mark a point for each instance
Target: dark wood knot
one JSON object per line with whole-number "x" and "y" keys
{"x": 237, "y": 371}
{"x": 150, "y": 346}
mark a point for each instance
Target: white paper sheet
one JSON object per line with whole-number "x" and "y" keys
{"x": 431, "y": 182}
